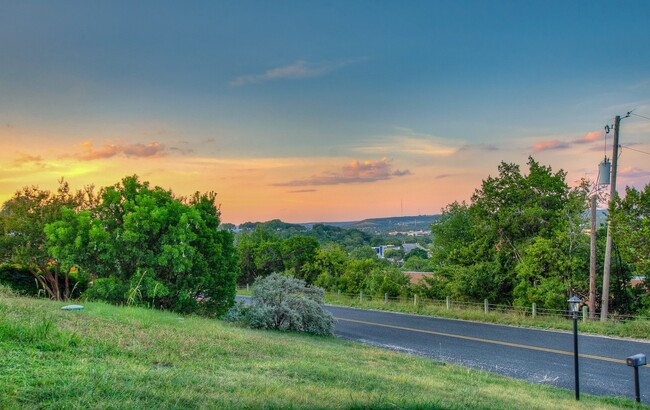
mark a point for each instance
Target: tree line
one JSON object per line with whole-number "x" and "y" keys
{"x": 520, "y": 240}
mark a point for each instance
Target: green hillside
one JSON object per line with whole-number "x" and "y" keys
{"x": 107, "y": 357}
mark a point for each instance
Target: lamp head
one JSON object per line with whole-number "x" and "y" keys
{"x": 574, "y": 302}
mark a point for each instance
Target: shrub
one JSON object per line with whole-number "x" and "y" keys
{"x": 285, "y": 303}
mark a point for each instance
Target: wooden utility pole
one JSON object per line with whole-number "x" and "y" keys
{"x": 604, "y": 309}
{"x": 592, "y": 260}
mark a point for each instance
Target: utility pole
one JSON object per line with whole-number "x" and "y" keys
{"x": 592, "y": 260}
{"x": 604, "y": 310}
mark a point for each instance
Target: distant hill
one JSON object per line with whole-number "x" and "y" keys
{"x": 350, "y": 233}
{"x": 381, "y": 226}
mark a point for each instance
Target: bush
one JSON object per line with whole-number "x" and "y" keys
{"x": 18, "y": 279}
{"x": 285, "y": 303}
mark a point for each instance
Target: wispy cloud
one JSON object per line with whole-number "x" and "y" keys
{"x": 633, "y": 173}
{"x": 550, "y": 145}
{"x": 23, "y": 159}
{"x": 421, "y": 145}
{"x": 590, "y": 137}
{"x": 353, "y": 173}
{"x": 89, "y": 153}
{"x": 479, "y": 147}
{"x": 558, "y": 144}
{"x": 298, "y": 70}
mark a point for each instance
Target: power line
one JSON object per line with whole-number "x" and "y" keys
{"x": 637, "y": 115}
{"x": 637, "y": 150}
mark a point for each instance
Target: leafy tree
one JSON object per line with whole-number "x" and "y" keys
{"x": 363, "y": 252}
{"x": 297, "y": 253}
{"x": 417, "y": 253}
{"x": 23, "y": 219}
{"x": 260, "y": 254}
{"x": 394, "y": 254}
{"x": 387, "y": 280}
{"x": 519, "y": 232}
{"x": 147, "y": 246}
{"x": 416, "y": 264}
{"x": 330, "y": 263}
{"x": 630, "y": 218}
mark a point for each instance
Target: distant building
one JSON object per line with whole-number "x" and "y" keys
{"x": 383, "y": 248}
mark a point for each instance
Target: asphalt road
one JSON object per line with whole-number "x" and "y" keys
{"x": 537, "y": 356}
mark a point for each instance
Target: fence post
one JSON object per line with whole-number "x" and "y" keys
{"x": 534, "y": 309}
{"x": 415, "y": 300}
{"x": 486, "y": 306}
{"x": 448, "y": 302}
{"x": 385, "y": 297}
{"x": 585, "y": 314}
{"x": 339, "y": 292}
{"x": 360, "y": 296}
{"x": 247, "y": 287}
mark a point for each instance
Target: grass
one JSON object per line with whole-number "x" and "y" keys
{"x": 108, "y": 357}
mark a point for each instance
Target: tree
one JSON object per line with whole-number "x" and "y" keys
{"x": 144, "y": 244}
{"x": 297, "y": 253}
{"x": 260, "y": 254}
{"x": 417, "y": 253}
{"x": 23, "y": 220}
{"x": 514, "y": 222}
{"x": 416, "y": 264}
{"x": 630, "y": 218}
{"x": 330, "y": 263}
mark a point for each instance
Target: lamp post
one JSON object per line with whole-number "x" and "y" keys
{"x": 574, "y": 303}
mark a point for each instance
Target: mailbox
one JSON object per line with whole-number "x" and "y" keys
{"x": 636, "y": 360}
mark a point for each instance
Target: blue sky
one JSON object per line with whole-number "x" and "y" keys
{"x": 318, "y": 110}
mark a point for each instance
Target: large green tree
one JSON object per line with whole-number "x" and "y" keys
{"x": 495, "y": 247}
{"x": 143, "y": 244}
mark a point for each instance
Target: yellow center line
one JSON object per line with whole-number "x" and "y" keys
{"x": 476, "y": 339}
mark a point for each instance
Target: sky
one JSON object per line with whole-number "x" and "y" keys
{"x": 312, "y": 111}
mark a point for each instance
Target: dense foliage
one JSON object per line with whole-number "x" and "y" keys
{"x": 519, "y": 241}
{"x": 631, "y": 234}
{"x": 139, "y": 245}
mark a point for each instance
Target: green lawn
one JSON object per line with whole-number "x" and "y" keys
{"x": 119, "y": 357}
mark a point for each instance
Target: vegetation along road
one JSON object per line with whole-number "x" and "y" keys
{"x": 538, "y": 356}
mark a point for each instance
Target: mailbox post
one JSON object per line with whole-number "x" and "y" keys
{"x": 636, "y": 361}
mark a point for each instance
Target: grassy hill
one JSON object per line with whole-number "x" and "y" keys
{"x": 120, "y": 357}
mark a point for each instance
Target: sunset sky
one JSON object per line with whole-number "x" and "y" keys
{"x": 319, "y": 111}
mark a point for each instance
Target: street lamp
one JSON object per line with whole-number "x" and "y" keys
{"x": 574, "y": 303}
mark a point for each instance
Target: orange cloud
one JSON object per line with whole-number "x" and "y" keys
{"x": 154, "y": 149}
{"x": 23, "y": 159}
{"x": 590, "y": 137}
{"x": 549, "y": 145}
{"x": 354, "y": 172}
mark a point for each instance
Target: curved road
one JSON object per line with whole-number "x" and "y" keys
{"x": 537, "y": 356}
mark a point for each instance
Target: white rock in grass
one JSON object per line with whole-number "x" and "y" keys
{"x": 72, "y": 307}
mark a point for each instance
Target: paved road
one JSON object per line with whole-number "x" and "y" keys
{"x": 537, "y": 356}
